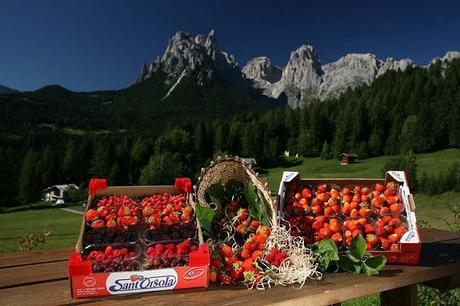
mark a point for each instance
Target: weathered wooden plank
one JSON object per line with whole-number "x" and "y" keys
{"x": 31, "y": 274}
{"x": 34, "y": 257}
{"x": 333, "y": 289}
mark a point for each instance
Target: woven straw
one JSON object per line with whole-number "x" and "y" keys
{"x": 225, "y": 169}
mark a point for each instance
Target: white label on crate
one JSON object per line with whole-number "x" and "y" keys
{"x": 289, "y": 175}
{"x": 410, "y": 237}
{"x": 141, "y": 281}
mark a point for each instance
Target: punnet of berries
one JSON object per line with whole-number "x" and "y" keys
{"x": 162, "y": 210}
{"x": 113, "y": 212}
{"x": 116, "y": 240}
{"x": 167, "y": 255}
{"x": 113, "y": 258}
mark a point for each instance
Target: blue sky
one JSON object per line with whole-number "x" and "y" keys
{"x": 88, "y": 45}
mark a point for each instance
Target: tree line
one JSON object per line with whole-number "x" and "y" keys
{"x": 417, "y": 110}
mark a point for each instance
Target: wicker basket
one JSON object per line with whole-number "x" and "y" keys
{"x": 225, "y": 169}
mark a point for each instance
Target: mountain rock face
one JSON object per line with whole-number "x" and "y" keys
{"x": 303, "y": 78}
{"x": 186, "y": 54}
{"x": 261, "y": 69}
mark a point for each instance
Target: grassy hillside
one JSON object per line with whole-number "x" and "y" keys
{"x": 429, "y": 163}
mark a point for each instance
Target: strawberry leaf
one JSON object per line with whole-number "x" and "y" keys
{"x": 348, "y": 264}
{"x": 328, "y": 251}
{"x": 372, "y": 265}
{"x": 358, "y": 247}
{"x": 205, "y": 215}
{"x": 256, "y": 205}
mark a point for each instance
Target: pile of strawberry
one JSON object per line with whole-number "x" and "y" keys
{"x": 390, "y": 230}
{"x": 113, "y": 212}
{"x": 296, "y": 209}
{"x": 113, "y": 259}
{"x": 327, "y": 227}
{"x": 361, "y": 226}
{"x": 386, "y": 199}
{"x": 159, "y": 255}
{"x": 166, "y": 210}
{"x": 356, "y": 202}
{"x": 326, "y": 201}
{"x": 244, "y": 225}
{"x": 229, "y": 266}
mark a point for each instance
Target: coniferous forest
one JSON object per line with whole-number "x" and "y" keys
{"x": 416, "y": 110}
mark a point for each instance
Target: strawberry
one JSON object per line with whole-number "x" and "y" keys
{"x": 245, "y": 253}
{"x": 279, "y": 258}
{"x": 250, "y": 245}
{"x": 214, "y": 271}
{"x": 108, "y": 250}
{"x": 251, "y": 275}
{"x": 242, "y": 229}
{"x": 256, "y": 254}
{"x": 337, "y": 238}
{"x": 224, "y": 277}
{"x": 260, "y": 238}
{"x": 393, "y": 238}
{"x": 97, "y": 224}
{"x": 234, "y": 205}
{"x": 264, "y": 230}
{"x": 226, "y": 251}
{"x": 254, "y": 225}
{"x": 242, "y": 214}
{"x": 379, "y": 187}
{"x": 91, "y": 215}
{"x": 306, "y": 193}
{"x": 236, "y": 272}
{"x": 247, "y": 263}
{"x": 111, "y": 224}
{"x": 372, "y": 240}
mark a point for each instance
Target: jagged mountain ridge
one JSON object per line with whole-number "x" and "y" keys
{"x": 303, "y": 78}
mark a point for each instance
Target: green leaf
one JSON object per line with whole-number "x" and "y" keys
{"x": 256, "y": 205}
{"x": 347, "y": 264}
{"x": 328, "y": 251}
{"x": 372, "y": 265}
{"x": 205, "y": 215}
{"x": 358, "y": 247}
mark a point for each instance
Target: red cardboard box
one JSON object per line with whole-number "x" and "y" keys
{"x": 85, "y": 283}
{"x": 409, "y": 245}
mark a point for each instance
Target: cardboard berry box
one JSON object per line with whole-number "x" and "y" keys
{"x": 86, "y": 283}
{"x": 405, "y": 251}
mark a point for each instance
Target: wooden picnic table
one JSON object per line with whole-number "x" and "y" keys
{"x": 40, "y": 278}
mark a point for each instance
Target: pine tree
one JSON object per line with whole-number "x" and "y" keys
{"x": 29, "y": 179}
{"x": 50, "y": 166}
{"x": 326, "y": 151}
{"x": 409, "y": 134}
{"x": 72, "y": 164}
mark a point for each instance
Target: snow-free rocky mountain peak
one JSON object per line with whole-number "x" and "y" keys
{"x": 303, "y": 78}
{"x": 185, "y": 54}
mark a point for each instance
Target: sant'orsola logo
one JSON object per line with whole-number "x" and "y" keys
{"x": 193, "y": 273}
{"x": 118, "y": 283}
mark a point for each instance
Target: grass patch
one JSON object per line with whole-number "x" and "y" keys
{"x": 21, "y": 220}
{"x": 429, "y": 163}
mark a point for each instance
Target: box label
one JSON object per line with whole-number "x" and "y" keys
{"x": 142, "y": 281}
